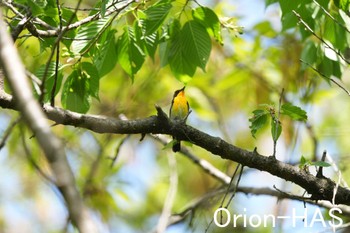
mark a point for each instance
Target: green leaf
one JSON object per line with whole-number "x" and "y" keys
{"x": 309, "y": 54}
{"x": 155, "y": 16}
{"x": 86, "y": 34}
{"x": 342, "y": 4}
{"x": 149, "y": 42}
{"x": 190, "y": 47}
{"x": 164, "y": 53}
{"x": 75, "y": 93}
{"x": 103, "y": 7}
{"x": 258, "y": 121}
{"x": 130, "y": 54}
{"x": 179, "y": 63}
{"x": 37, "y": 7}
{"x": 209, "y": 20}
{"x": 264, "y": 28}
{"x": 50, "y": 79}
{"x": 197, "y": 43}
{"x": 294, "y": 112}
{"x": 270, "y": 2}
{"x": 276, "y": 129}
{"x": 66, "y": 16}
{"x": 93, "y": 78}
{"x": 326, "y": 68}
{"x": 321, "y": 164}
{"x": 302, "y": 160}
{"x": 288, "y": 21}
{"x": 105, "y": 57}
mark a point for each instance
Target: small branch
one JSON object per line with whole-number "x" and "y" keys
{"x": 277, "y": 122}
{"x": 54, "y": 32}
{"x": 55, "y": 47}
{"x": 33, "y": 162}
{"x": 323, "y": 75}
{"x": 52, "y": 99}
{"x": 330, "y": 16}
{"x": 8, "y": 132}
{"x": 319, "y": 38}
{"x": 280, "y": 195}
{"x": 118, "y": 149}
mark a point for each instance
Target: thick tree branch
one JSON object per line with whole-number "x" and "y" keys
{"x": 30, "y": 109}
{"x": 318, "y": 188}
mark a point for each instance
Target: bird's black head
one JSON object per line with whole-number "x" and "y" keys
{"x": 178, "y": 91}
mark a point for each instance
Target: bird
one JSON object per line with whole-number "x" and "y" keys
{"x": 179, "y": 111}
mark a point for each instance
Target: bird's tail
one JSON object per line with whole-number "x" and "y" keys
{"x": 177, "y": 146}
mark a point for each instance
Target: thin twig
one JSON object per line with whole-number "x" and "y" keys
{"x": 318, "y": 37}
{"x": 323, "y": 75}
{"x": 330, "y": 16}
{"x": 32, "y": 160}
{"x": 119, "y": 146}
{"x": 52, "y": 100}
{"x": 235, "y": 188}
{"x": 56, "y": 44}
{"x": 8, "y": 132}
{"x": 228, "y": 189}
{"x": 277, "y": 122}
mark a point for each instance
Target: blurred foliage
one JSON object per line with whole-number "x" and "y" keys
{"x": 126, "y": 63}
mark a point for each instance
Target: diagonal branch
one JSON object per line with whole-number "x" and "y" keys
{"x": 318, "y": 188}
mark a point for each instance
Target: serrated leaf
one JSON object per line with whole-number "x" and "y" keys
{"x": 197, "y": 43}
{"x": 294, "y": 112}
{"x": 130, "y": 55}
{"x": 209, "y": 20}
{"x": 93, "y": 77}
{"x": 86, "y": 34}
{"x": 75, "y": 93}
{"x": 179, "y": 63}
{"x": 258, "y": 121}
{"x": 342, "y": 4}
{"x": 189, "y": 47}
{"x": 66, "y": 16}
{"x": 50, "y": 79}
{"x": 105, "y": 57}
{"x": 149, "y": 42}
{"x": 103, "y": 7}
{"x": 155, "y": 16}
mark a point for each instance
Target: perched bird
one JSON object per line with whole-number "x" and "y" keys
{"x": 179, "y": 110}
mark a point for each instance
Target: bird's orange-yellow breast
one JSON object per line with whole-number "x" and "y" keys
{"x": 180, "y": 106}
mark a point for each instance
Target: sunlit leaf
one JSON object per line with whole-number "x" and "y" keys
{"x": 258, "y": 120}
{"x": 210, "y": 20}
{"x": 75, "y": 93}
{"x": 86, "y": 34}
{"x": 294, "y": 112}
{"x": 130, "y": 54}
{"x": 155, "y": 15}
{"x": 105, "y": 57}
{"x": 50, "y": 79}
{"x": 93, "y": 77}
